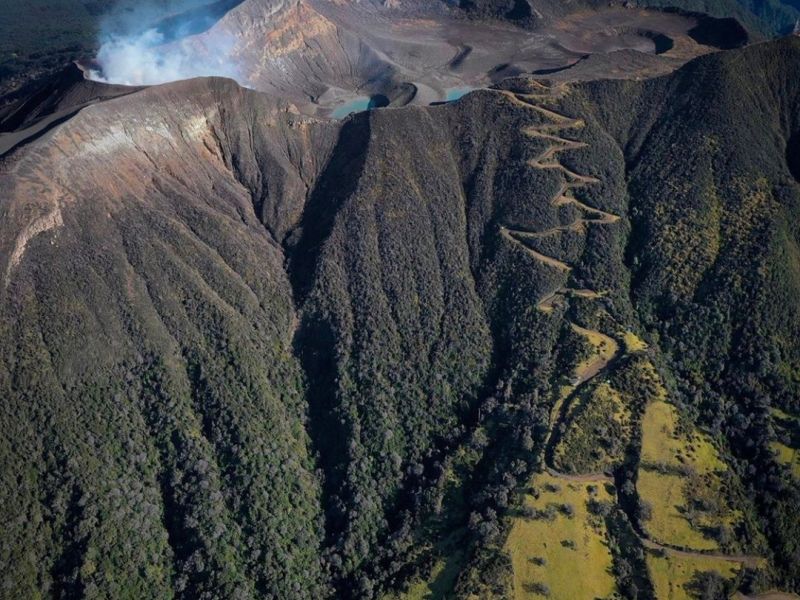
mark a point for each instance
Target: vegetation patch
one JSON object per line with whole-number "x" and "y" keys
{"x": 438, "y": 585}
{"x": 601, "y": 422}
{"x": 633, "y": 343}
{"x": 787, "y": 456}
{"x": 677, "y": 576}
{"x": 597, "y": 434}
{"x": 440, "y": 564}
{"x": 558, "y": 547}
{"x": 787, "y": 443}
{"x": 684, "y": 500}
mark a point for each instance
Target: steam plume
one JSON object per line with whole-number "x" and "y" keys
{"x": 165, "y": 48}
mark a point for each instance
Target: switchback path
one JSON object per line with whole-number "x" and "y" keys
{"x": 559, "y": 413}
{"x": 514, "y": 235}
{"x": 549, "y": 302}
{"x": 547, "y": 160}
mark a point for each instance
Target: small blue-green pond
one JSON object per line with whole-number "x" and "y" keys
{"x": 455, "y": 93}
{"x": 355, "y": 105}
{"x": 360, "y": 104}
{"x": 363, "y": 103}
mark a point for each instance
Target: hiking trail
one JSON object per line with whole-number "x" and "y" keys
{"x": 608, "y": 348}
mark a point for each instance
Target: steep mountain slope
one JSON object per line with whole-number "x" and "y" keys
{"x": 717, "y": 275}
{"x": 158, "y": 445}
{"x": 712, "y": 256}
{"x": 764, "y": 17}
{"x": 249, "y": 353}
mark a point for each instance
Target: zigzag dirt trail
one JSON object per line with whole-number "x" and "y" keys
{"x": 513, "y": 235}
{"x": 547, "y": 160}
{"x": 603, "y": 360}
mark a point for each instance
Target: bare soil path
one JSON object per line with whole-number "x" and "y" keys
{"x": 770, "y": 595}
{"x": 582, "y": 478}
{"x": 748, "y": 560}
{"x": 608, "y": 349}
{"x": 514, "y": 235}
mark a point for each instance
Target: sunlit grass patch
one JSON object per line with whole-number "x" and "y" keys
{"x": 681, "y": 484}
{"x": 559, "y": 546}
{"x": 439, "y": 585}
{"x": 633, "y": 343}
{"x": 651, "y": 381}
{"x": 787, "y": 456}
{"x": 668, "y": 522}
{"x": 781, "y": 414}
{"x": 787, "y": 444}
{"x": 663, "y": 444}
{"x": 672, "y": 573}
{"x": 604, "y": 349}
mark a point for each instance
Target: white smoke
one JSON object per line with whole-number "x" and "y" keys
{"x": 148, "y": 58}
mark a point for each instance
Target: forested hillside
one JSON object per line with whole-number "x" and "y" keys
{"x": 447, "y": 350}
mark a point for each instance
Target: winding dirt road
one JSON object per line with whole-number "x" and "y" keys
{"x": 547, "y": 160}
{"x": 747, "y": 560}
{"x": 770, "y": 595}
{"x": 514, "y": 235}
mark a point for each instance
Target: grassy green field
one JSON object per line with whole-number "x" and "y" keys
{"x": 568, "y": 555}
{"x": 439, "y": 585}
{"x": 786, "y": 448}
{"x": 680, "y": 480}
{"x": 787, "y": 456}
{"x": 663, "y": 444}
{"x": 668, "y": 500}
{"x": 672, "y": 573}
